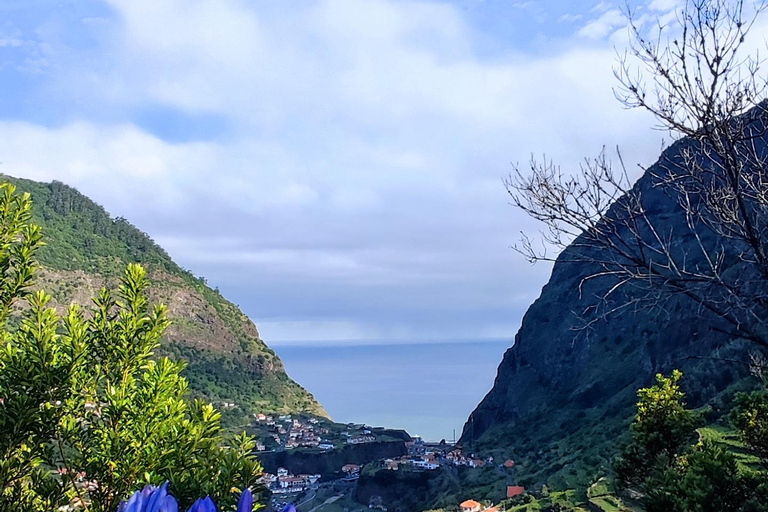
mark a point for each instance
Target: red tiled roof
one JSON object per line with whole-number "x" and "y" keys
{"x": 514, "y": 490}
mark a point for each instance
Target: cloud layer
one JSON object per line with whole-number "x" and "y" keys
{"x": 333, "y": 166}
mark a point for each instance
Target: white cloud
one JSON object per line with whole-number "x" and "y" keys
{"x": 665, "y": 6}
{"x": 10, "y": 42}
{"x": 105, "y": 161}
{"x": 364, "y": 163}
{"x": 603, "y": 26}
{"x": 602, "y": 7}
{"x": 570, "y": 18}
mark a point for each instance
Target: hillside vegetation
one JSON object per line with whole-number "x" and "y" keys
{"x": 228, "y": 363}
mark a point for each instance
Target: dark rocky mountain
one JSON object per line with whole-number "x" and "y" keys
{"x": 564, "y": 395}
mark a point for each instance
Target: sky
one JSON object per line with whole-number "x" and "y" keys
{"x": 335, "y": 167}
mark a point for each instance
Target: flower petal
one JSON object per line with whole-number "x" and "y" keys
{"x": 245, "y": 504}
{"x": 156, "y": 498}
{"x": 211, "y": 506}
{"x": 135, "y": 503}
{"x": 203, "y": 505}
{"x": 168, "y": 505}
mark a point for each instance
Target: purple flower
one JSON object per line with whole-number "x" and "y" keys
{"x": 157, "y": 499}
{"x": 203, "y": 505}
{"x": 246, "y": 501}
{"x": 150, "y": 499}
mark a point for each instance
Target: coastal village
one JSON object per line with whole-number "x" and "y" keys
{"x": 286, "y": 433}
{"x": 289, "y": 438}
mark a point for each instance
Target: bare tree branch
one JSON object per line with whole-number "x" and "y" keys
{"x": 710, "y": 96}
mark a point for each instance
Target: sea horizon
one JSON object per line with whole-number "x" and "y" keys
{"x": 426, "y": 387}
{"x": 345, "y": 342}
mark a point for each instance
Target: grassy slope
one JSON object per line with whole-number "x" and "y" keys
{"x": 728, "y": 438}
{"x": 228, "y": 362}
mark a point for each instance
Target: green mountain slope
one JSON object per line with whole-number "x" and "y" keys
{"x": 564, "y": 395}
{"x": 228, "y": 363}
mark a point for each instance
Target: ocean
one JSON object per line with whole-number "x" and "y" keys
{"x": 428, "y": 389}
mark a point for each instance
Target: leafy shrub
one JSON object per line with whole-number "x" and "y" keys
{"x": 86, "y": 413}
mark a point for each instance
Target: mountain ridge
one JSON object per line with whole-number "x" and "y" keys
{"x": 227, "y": 361}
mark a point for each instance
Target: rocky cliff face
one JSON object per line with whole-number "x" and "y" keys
{"x": 564, "y": 395}
{"x": 329, "y": 464}
{"x": 227, "y": 360}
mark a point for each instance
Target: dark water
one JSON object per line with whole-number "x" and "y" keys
{"x": 428, "y": 389}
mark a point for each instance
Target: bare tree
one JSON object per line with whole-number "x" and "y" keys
{"x": 693, "y": 76}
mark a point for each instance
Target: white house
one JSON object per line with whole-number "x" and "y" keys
{"x": 425, "y": 464}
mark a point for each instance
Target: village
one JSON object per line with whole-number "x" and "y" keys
{"x": 422, "y": 455}
{"x": 334, "y": 492}
{"x": 285, "y": 483}
{"x": 286, "y": 432}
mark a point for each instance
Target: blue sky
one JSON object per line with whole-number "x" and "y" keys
{"x": 335, "y": 166}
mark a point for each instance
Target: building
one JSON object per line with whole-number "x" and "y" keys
{"x": 514, "y": 490}
{"x": 470, "y": 506}
{"x": 361, "y": 440}
{"x": 293, "y": 482}
{"x": 350, "y": 468}
{"x": 425, "y": 464}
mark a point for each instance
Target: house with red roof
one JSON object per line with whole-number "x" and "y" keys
{"x": 470, "y": 506}
{"x": 350, "y": 468}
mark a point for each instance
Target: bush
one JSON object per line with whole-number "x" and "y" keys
{"x": 87, "y": 414}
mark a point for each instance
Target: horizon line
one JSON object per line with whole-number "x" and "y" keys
{"x": 386, "y": 341}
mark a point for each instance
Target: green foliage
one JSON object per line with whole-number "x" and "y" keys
{"x": 564, "y": 501}
{"x": 706, "y": 479}
{"x": 37, "y": 371}
{"x": 602, "y": 496}
{"x": 661, "y": 430}
{"x": 750, "y": 416}
{"x": 82, "y": 236}
{"x": 87, "y": 414}
{"x": 242, "y": 380}
{"x": 673, "y": 474}
{"x": 19, "y": 241}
